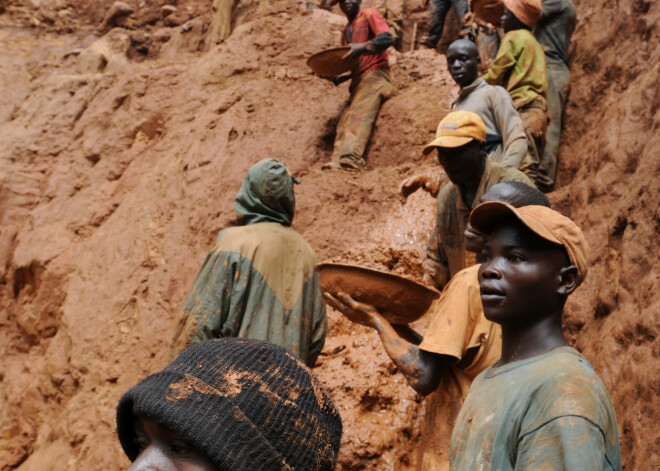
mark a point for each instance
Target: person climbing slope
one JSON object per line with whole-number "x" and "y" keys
{"x": 541, "y": 406}
{"x": 369, "y": 37}
{"x": 230, "y": 404}
{"x": 520, "y": 68}
{"x": 553, "y": 31}
{"x": 259, "y": 279}
{"x": 458, "y": 345}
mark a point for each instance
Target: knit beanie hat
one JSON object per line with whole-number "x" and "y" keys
{"x": 527, "y": 11}
{"x": 245, "y": 404}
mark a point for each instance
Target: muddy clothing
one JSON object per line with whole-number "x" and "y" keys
{"x": 555, "y": 28}
{"x": 457, "y": 326}
{"x": 259, "y": 279}
{"x": 392, "y": 11}
{"x": 553, "y": 32}
{"x": 357, "y": 120}
{"x": 370, "y": 86}
{"x": 220, "y": 21}
{"x": 520, "y": 68}
{"x": 439, "y": 10}
{"x": 445, "y": 252}
{"x": 370, "y": 28}
{"x": 559, "y": 81}
{"x": 506, "y": 142}
{"x": 550, "y": 412}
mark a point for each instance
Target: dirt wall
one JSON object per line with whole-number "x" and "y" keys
{"x": 126, "y": 148}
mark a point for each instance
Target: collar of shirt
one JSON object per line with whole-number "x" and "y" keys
{"x": 465, "y": 91}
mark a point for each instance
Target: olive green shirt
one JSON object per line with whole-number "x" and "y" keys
{"x": 519, "y": 67}
{"x": 445, "y": 252}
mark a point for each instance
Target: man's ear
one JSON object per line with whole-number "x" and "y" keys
{"x": 568, "y": 280}
{"x": 479, "y": 60}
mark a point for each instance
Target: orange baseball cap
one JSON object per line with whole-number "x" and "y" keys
{"x": 457, "y": 129}
{"x": 545, "y": 222}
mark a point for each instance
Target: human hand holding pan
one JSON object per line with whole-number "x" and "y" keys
{"x": 398, "y": 299}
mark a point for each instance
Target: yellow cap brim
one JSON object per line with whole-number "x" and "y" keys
{"x": 447, "y": 141}
{"x": 485, "y": 216}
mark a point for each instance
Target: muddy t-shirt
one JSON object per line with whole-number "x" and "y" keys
{"x": 366, "y": 26}
{"x": 550, "y": 412}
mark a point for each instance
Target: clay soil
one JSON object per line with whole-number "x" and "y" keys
{"x": 121, "y": 153}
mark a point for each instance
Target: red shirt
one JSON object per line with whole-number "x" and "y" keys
{"x": 367, "y": 25}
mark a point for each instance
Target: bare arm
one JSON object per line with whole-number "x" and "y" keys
{"x": 423, "y": 370}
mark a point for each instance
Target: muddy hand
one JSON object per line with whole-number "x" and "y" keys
{"x": 360, "y": 313}
{"x": 355, "y": 52}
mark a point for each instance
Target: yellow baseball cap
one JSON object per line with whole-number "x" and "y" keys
{"x": 544, "y": 222}
{"x": 457, "y": 129}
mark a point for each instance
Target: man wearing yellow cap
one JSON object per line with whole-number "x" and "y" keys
{"x": 460, "y": 144}
{"x": 520, "y": 68}
{"x": 541, "y": 406}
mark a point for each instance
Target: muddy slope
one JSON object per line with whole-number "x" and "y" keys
{"x": 126, "y": 148}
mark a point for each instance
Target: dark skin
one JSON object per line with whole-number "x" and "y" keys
{"x": 524, "y": 282}
{"x": 423, "y": 370}
{"x": 464, "y": 166}
{"x": 463, "y": 62}
{"x": 164, "y": 450}
{"x": 510, "y": 22}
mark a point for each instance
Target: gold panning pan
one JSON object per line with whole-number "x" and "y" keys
{"x": 331, "y": 62}
{"x": 400, "y": 299}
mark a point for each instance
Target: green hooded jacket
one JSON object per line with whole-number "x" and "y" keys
{"x": 259, "y": 278}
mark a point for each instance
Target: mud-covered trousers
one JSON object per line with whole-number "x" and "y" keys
{"x": 534, "y": 116}
{"x": 357, "y": 120}
{"x": 559, "y": 79}
{"x": 439, "y": 10}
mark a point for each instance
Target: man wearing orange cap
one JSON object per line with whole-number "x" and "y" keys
{"x": 541, "y": 406}
{"x": 459, "y": 342}
{"x": 461, "y": 147}
{"x": 520, "y": 68}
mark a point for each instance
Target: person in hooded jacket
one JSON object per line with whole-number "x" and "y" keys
{"x": 259, "y": 278}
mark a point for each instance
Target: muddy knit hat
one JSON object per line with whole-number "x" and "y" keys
{"x": 243, "y": 403}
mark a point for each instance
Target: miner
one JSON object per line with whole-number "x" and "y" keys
{"x": 460, "y": 144}
{"x": 541, "y": 406}
{"x": 459, "y": 342}
{"x": 553, "y": 31}
{"x": 520, "y": 68}
{"x": 369, "y": 36}
{"x": 230, "y": 404}
{"x": 439, "y": 10}
{"x": 259, "y": 278}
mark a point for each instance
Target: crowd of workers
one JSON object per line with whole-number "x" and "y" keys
{"x": 505, "y": 390}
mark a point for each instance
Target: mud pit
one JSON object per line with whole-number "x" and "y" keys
{"x": 123, "y": 151}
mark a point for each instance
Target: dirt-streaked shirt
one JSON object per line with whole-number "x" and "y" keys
{"x": 519, "y": 67}
{"x": 445, "y": 252}
{"x": 501, "y": 118}
{"x": 365, "y": 27}
{"x": 550, "y": 412}
{"x": 457, "y": 325}
{"x": 555, "y": 28}
{"x": 257, "y": 281}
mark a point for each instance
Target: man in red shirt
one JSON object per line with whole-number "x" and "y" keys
{"x": 369, "y": 37}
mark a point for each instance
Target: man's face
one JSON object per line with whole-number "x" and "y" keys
{"x": 350, "y": 8}
{"x": 509, "y": 21}
{"x": 463, "y": 63}
{"x": 163, "y": 450}
{"x": 520, "y": 275}
{"x": 461, "y": 164}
